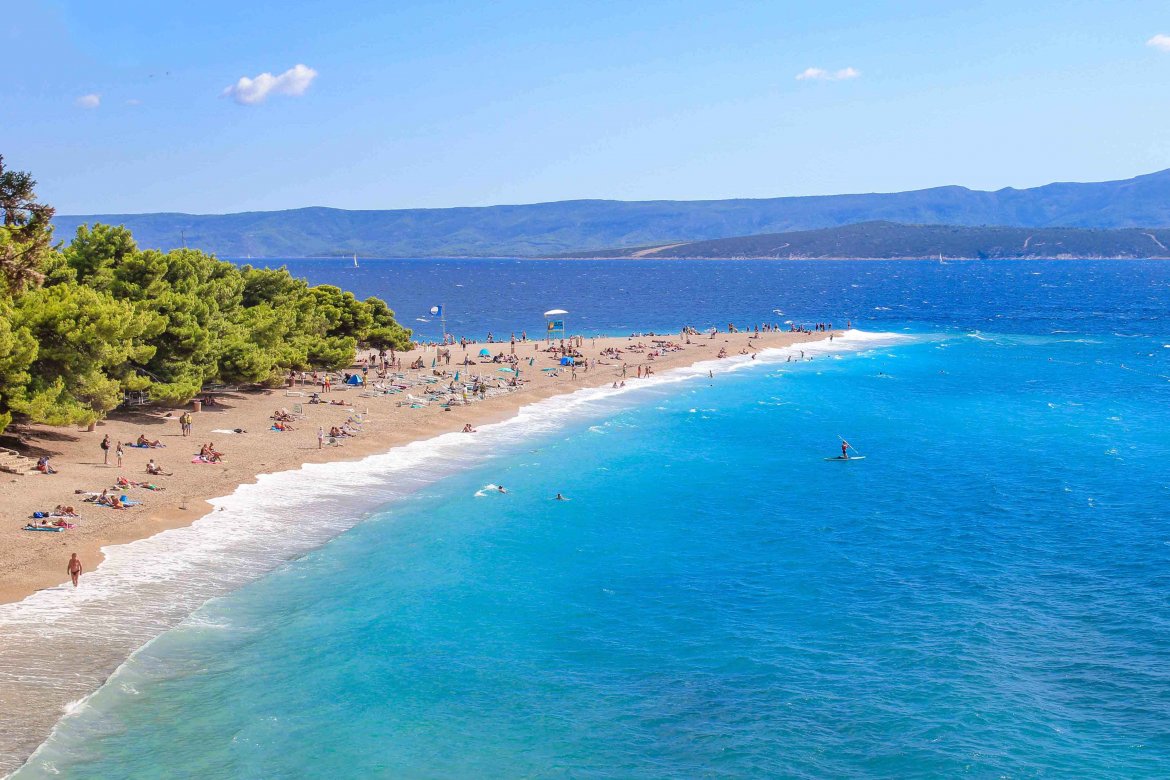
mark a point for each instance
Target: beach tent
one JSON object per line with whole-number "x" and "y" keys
{"x": 354, "y": 379}
{"x": 567, "y": 361}
{"x": 485, "y": 353}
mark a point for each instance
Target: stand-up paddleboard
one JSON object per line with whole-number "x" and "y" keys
{"x": 843, "y": 455}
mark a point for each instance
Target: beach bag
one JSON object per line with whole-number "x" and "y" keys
{"x": 39, "y": 514}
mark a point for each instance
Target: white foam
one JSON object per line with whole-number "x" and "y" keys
{"x": 146, "y": 587}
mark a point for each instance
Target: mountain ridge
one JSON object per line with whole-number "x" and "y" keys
{"x": 892, "y": 241}
{"x": 558, "y": 227}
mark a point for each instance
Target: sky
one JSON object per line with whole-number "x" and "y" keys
{"x": 214, "y": 107}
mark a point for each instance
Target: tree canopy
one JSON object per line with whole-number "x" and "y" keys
{"x": 82, "y": 324}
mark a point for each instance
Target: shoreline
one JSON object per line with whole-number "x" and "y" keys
{"x": 29, "y": 561}
{"x": 73, "y": 621}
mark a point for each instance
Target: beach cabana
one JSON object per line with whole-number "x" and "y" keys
{"x": 555, "y": 321}
{"x": 354, "y": 379}
{"x": 485, "y": 353}
{"x": 568, "y": 361}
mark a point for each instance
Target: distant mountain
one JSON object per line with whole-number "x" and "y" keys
{"x": 888, "y": 241}
{"x": 551, "y": 228}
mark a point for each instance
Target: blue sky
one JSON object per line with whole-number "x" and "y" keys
{"x": 121, "y": 107}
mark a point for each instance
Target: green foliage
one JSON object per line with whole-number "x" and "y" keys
{"x": 82, "y": 325}
{"x": 18, "y": 350}
{"x": 88, "y": 345}
{"x": 26, "y": 233}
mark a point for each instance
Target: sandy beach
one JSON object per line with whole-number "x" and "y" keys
{"x": 30, "y": 561}
{"x": 33, "y": 561}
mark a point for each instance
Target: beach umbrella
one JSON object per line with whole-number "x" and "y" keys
{"x": 485, "y": 352}
{"x": 554, "y": 312}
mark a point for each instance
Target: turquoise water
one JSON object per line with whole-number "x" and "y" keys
{"x": 986, "y": 594}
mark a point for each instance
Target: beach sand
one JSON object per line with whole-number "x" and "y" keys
{"x": 30, "y": 561}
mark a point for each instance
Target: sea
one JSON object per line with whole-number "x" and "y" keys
{"x": 986, "y": 593}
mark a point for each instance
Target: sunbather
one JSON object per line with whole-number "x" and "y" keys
{"x": 145, "y": 442}
{"x": 156, "y": 470}
{"x": 209, "y": 454}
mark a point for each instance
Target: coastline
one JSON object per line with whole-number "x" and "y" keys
{"x": 30, "y": 562}
{"x": 394, "y": 441}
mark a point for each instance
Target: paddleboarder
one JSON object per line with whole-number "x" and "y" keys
{"x": 844, "y": 450}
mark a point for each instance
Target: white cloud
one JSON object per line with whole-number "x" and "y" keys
{"x": 1161, "y": 42}
{"x": 820, "y": 74}
{"x": 249, "y": 92}
{"x": 92, "y": 100}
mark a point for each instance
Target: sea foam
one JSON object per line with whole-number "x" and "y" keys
{"x": 143, "y": 588}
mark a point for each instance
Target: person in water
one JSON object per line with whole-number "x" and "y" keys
{"x": 74, "y": 569}
{"x": 560, "y": 498}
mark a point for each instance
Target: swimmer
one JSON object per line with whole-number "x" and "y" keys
{"x": 500, "y": 489}
{"x": 559, "y": 497}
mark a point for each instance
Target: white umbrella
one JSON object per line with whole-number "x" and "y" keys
{"x": 553, "y": 312}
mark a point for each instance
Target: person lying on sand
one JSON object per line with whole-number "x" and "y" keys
{"x": 126, "y": 483}
{"x": 105, "y": 499}
{"x": 154, "y": 469}
{"x": 145, "y": 442}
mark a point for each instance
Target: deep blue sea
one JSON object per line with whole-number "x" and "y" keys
{"x": 986, "y": 594}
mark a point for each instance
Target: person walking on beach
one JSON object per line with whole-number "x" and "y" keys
{"x": 74, "y": 569}
{"x": 106, "y": 450}
{"x": 118, "y": 451}
{"x": 320, "y": 437}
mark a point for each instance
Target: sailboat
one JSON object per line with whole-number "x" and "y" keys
{"x": 355, "y": 265}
